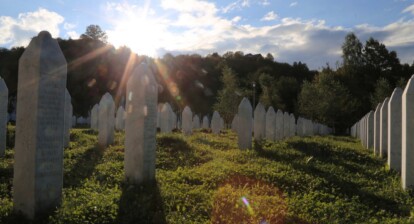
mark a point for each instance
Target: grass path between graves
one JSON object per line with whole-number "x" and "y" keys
{"x": 204, "y": 178}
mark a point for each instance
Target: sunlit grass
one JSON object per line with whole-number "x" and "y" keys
{"x": 204, "y": 178}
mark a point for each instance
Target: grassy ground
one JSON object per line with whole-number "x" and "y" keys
{"x": 204, "y": 178}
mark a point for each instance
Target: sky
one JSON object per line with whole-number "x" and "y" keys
{"x": 310, "y": 31}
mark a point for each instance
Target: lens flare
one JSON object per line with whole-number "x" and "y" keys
{"x": 246, "y": 202}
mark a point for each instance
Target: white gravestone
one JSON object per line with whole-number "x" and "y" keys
{"x": 384, "y": 128}
{"x": 196, "y": 122}
{"x": 279, "y": 125}
{"x": 4, "y": 99}
{"x": 292, "y": 125}
{"x": 187, "y": 121}
{"x": 205, "y": 122}
{"x": 68, "y": 117}
{"x": 259, "y": 122}
{"x": 106, "y": 124}
{"x": 120, "y": 119}
{"x": 270, "y": 124}
{"x": 234, "y": 123}
{"x": 370, "y": 129}
{"x": 141, "y": 125}
{"x": 407, "y": 154}
{"x": 394, "y": 130}
{"x": 245, "y": 124}
{"x": 166, "y": 118}
{"x": 286, "y": 124}
{"x": 95, "y": 117}
{"x": 376, "y": 129}
{"x": 38, "y": 158}
{"x": 215, "y": 123}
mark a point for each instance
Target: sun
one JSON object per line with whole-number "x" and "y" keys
{"x": 143, "y": 35}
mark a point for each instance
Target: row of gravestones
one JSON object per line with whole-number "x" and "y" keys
{"x": 44, "y": 117}
{"x": 388, "y": 130}
{"x": 189, "y": 122}
{"x": 270, "y": 125}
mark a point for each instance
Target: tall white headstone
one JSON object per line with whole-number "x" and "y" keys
{"x": 384, "y": 128}
{"x": 141, "y": 125}
{"x": 245, "y": 124}
{"x": 205, "y": 122}
{"x": 292, "y": 125}
{"x": 286, "y": 124}
{"x": 166, "y": 118}
{"x": 407, "y": 162}
{"x": 38, "y": 158}
{"x": 196, "y": 122}
{"x": 106, "y": 124}
{"x": 270, "y": 124}
{"x": 299, "y": 126}
{"x": 370, "y": 130}
{"x": 394, "y": 130}
{"x": 95, "y": 117}
{"x": 68, "y": 117}
{"x": 187, "y": 121}
{"x": 120, "y": 119}
{"x": 279, "y": 125}
{"x": 234, "y": 123}
{"x": 377, "y": 129}
{"x": 215, "y": 123}
{"x": 259, "y": 122}
{"x": 4, "y": 99}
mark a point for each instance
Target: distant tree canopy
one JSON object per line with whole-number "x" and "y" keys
{"x": 96, "y": 33}
{"x": 367, "y": 74}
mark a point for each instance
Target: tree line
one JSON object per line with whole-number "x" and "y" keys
{"x": 337, "y": 97}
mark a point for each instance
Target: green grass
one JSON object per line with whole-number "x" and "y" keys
{"x": 204, "y": 178}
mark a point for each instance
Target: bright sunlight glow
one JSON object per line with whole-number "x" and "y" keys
{"x": 142, "y": 34}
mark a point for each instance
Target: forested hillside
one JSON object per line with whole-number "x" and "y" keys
{"x": 336, "y": 96}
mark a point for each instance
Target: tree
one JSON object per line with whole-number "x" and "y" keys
{"x": 96, "y": 33}
{"x": 328, "y": 101}
{"x": 229, "y": 96}
{"x": 383, "y": 89}
{"x": 352, "y": 51}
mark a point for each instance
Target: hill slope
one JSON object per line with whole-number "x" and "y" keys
{"x": 205, "y": 179}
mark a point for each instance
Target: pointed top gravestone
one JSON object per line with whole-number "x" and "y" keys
{"x": 407, "y": 153}
{"x": 95, "y": 117}
{"x": 245, "y": 124}
{"x": 376, "y": 129}
{"x": 270, "y": 124}
{"x": 205, "y": 122}
{"x": 68, "y": 117}
{"x": 166, "y": 118}
{"x": 292, "y": 125}
{"x": 106, "y": 125}
{"x": 120, "y": 119}
{"x": 279, "y": 128}
{"x": 38, "y": 157}
{"x": 259, "y": 122}
{"x": 384, "y": 128}
{"x": 140, "y": 125}
{"x": 215, "y": 123}
{"x": 187, "y": 121}
{"x": 4, "y": 99}
{"x": 234, "y": 123}
{"x": 286, "y": 124}
{"x": 394, "y": 130}
{"x": 196, "y": 122}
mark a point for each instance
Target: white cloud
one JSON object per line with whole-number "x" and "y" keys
{"x": 69, "y": 26}
{"x": 409, "y": 9}
{"x": 197, "y": 27}
{"x": 72, "y": 34}
{"x": 237, "y": 5}
{"x": 19, "y": 31}
{"x": 236, "y": 19}
{"x": 264, "y": 2}
{"x": 269, "y": 16}
{"x": 293, "y": 4}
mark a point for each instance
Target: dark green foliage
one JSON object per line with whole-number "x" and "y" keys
{"x": 203, "y": 178}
